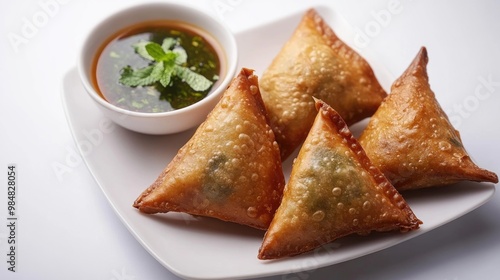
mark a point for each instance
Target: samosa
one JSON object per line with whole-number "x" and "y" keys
{"x": 230, "y": 169}
{"x": 411, "y": 140}
{"x": 314, "y": 62}
{"x": 334, "y": 190}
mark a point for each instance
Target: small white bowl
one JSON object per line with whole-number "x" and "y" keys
{"x": 165, "y": 122}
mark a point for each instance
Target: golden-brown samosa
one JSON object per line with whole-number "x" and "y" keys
{"x": 230, "y": 169}
{"x": 334, "y": 190}
{"x": 411, "y": 140}
{"x": 314, "y": 62}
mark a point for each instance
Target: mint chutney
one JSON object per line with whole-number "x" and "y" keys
{"x": 118, "y": 53}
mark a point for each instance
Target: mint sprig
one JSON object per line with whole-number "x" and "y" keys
{"x": 168, "y": 60}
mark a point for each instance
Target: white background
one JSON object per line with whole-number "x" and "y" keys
{"x": 67, "y": 229}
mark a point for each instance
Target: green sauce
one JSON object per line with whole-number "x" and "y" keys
{"x": 118, "y": 52}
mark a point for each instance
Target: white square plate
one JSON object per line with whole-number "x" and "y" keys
{"x": 124, "y": 163}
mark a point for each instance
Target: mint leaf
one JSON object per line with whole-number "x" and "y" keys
{"x": 167, "y": 74}
{"x": 196, "y": 81}
{"x": 168, "y": 43}
{"x": 158, "y": 70}
{"x": 134, "y": 78}
{"x": 166, "y": 78}
{"x": 155, "y": 51}
{"x": 181, "y": 55}
{"x": 140, "y": 48}
{"x": 166, "y": 64}
{"x": 141, "y": 77}
{"x": 170, "y": 57}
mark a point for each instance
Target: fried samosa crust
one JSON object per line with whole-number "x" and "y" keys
{"x": 314, "y": 62}
{"x": 411, "y": 140}
{"x": 230, "y": 169}
{"x": 334, "y": 190}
